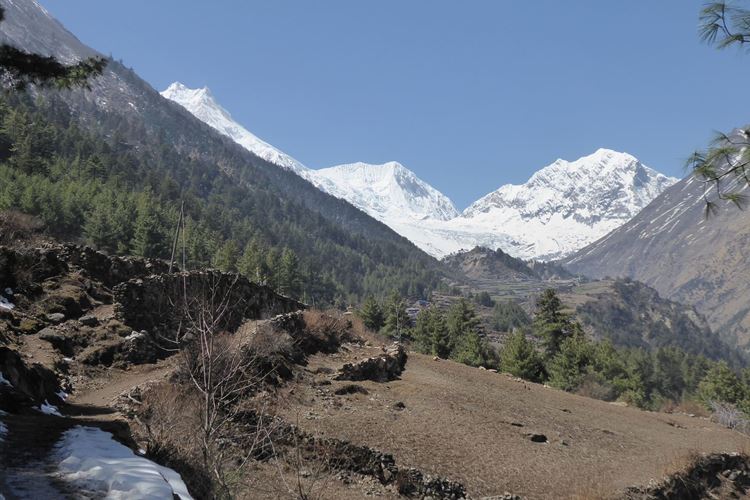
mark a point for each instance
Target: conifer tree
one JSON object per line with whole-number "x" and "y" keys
{"x": 289, "y": 275}
{"x": 225, "y": 258}
{"x": 431, "y": 333}
{"x": 148, "y": 239}
{"x": 725, "y": 166}
{"x": 249, "y": 263}
{"x": 520, "y": 358}
{"x": 551, "y": 324}
{"x": 372, "y": 314}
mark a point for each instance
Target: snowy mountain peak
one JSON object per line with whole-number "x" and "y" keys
{"x": 201, "y": 103}
{"x": 568, "y": 204}
{"x": 560, "y": 209}
{"x": 386, "y": 191}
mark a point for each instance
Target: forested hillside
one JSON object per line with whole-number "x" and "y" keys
{"x": 95, "y": 182}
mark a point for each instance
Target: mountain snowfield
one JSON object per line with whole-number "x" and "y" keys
{"x": 562, "y": 208}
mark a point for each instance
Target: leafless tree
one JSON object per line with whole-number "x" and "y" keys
{"x": 224, "y": 373}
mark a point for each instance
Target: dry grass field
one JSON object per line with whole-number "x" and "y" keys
{"x": 475, "y": 426}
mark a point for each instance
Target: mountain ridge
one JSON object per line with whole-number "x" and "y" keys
{"x": 560, "y": 209}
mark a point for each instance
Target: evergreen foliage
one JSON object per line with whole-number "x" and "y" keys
{"x": 397, "y": 323}
{"x": 98, "y": 189}
{"x": 508, "y": 315}
{"x": 519, "y": 357}
{"x": 372, "y": 314}
{"x": 551, "y": 324}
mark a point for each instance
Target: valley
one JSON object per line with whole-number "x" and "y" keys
{"x": 188, "y": 312}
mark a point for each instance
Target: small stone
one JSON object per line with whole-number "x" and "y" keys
{"x": 399, "y": 405}
{"x": 537, "y": 438}
{"x": 89, "y": 320}
{"x": 56, "y": 317}
{"x": 734, "y": 475}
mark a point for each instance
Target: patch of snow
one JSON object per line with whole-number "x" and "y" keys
{"x": 49, "y": 409}
{"x": 3, "y": 431}
{"x": 8, "y": 291}
{"x": 201, "y": 103}
{"x": 4, "y": 381}
{"x": 6, "y": 304}
{"x": 135, "y": 335}
{"x": 94, "y": 462}
{"x": 62, "y": 394}
{"x": 68, "y": 360}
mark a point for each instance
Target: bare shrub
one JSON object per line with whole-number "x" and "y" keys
{"x": 730, "y": 416}
{"x": 595, "y": 388}
{"x": 17, "y": 226}
{"x": 223, "y": 375}
{"x": 169, "y": 418}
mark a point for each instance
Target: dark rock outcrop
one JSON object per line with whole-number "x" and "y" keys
{"x": 28, "y": 384}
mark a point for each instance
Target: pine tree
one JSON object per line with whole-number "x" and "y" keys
{"x": 431, "y": 333}
{"x": 520, "y": 358}
{"x": 551, "y": 324}
{"x": 462, "y": 320}
{"x": 473, "y": 350}
{"x": 249, "y": 263}
{"x": 723, "y": 385}
{"x": 372, "y": 314}
{"x": 148, "y": 239}
{"x": 225, "y": 258}
{"x": 569, "y": 365}
{"x": 21, "y": 68}
{"x": 289, "y": 276}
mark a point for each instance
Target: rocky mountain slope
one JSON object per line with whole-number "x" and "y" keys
{"x": 629, "y": 313}
{"x": 632, "y": 314}
{"x": 202, "y": 104}
{"x": 562, "y": 207}
{"x": 673, "y": 247}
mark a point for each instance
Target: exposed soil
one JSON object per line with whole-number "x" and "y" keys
{"x": 480, "y": 428}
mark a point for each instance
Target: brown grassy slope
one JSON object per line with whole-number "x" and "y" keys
{"x": 458, "y": 423}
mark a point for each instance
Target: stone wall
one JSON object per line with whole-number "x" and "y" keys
{"x": 383, "y": 368}
{"x": 166, "y": 302}
{"x": 26, "y": 266}
{"x": 109, "y": 269}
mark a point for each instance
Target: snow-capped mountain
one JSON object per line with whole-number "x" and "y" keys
{"x": 567, "y": 205}
{"x": 387, "y": 192}
{"x": 562, "y": 208}
{"x": 201, "y": 103}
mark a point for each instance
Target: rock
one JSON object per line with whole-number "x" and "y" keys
{"x": 57, "y": 339}
{"x": 89, "y": 320}
{"x": 55, "y": 317}
{"x": 399, "y": 405}
{"x": 379, "y": 369}
{"x": 537, "y": 438}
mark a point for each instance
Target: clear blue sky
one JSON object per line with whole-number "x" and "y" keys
{"x": 468, "y": 94}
